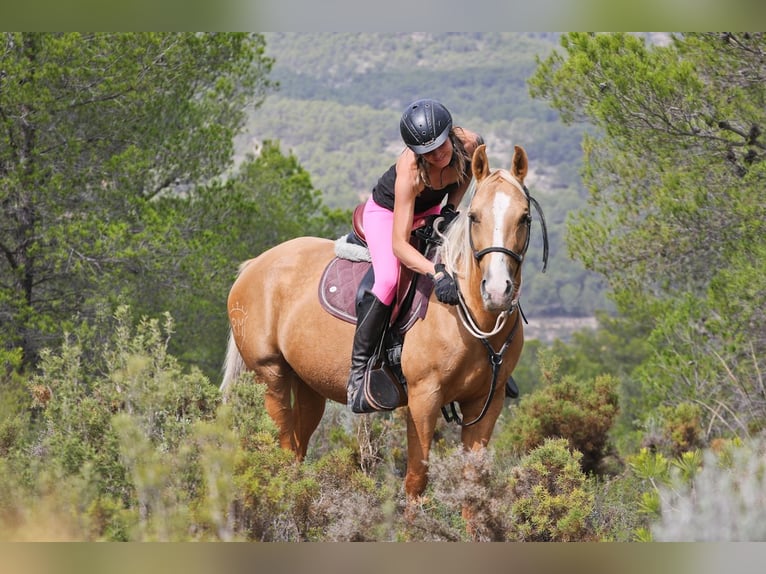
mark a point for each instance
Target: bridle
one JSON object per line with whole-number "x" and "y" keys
{"x": 518, "y": 257}
{"x": 496, "y": 357}
{"x": 465, "y": 314}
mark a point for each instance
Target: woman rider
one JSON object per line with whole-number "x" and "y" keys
{"x": 435, "y": 165}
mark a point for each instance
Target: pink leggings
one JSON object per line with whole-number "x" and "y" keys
{"x": 378, "y": 223}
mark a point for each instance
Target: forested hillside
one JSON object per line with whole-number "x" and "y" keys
{"x": 341, "y": 95}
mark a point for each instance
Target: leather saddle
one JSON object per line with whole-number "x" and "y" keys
{"x": 345, "y": 279}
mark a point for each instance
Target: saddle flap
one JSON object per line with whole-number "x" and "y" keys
{"x": 338, "y": 286}
{"x": 340, "y": 283}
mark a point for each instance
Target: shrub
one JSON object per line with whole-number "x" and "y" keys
{"x": 114, "y": 450}
{"x": 350, "y": 506}
{"x": 658, "y": 475}
{"x": 544, "y": 497}
{"x": 682, "y": 427}
{"x": 616, "y": 500}
{"x": 582, "y": 412}
{"x": 551, "y": 502}
{"x": 475, "y": 496}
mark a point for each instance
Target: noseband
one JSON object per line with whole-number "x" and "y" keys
{"x": 519, "y": 257}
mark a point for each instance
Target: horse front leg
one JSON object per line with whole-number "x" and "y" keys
{"x": 423, "y": 411}
{"x": 477, "y": 435}
{"x": 475, "y": 438}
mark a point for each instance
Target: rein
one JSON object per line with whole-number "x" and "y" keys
{"x": 470, "y": 324}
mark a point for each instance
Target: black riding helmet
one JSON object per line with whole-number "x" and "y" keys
{"x": 424, "y": 126}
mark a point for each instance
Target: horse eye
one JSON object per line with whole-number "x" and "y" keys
{"x": 472, "y": 218}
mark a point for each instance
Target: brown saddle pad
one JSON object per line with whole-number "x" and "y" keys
{"x": 339, "y": 284}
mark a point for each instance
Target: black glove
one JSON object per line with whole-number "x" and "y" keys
{"x": 445, "y": 285}
{"x": 448, "y": 213}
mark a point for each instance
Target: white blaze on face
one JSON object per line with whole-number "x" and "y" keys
{"x": 498, "y": 277}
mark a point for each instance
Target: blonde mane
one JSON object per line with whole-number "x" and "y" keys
{"x": 455, "y": 245}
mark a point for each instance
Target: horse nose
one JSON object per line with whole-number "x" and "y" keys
{"x": 508, "y": 285}
{"x": 497, "y": 290}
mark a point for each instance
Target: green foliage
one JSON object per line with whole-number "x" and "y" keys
{"x": 579, "y": 411}
{"x": 618, "y": 508}
{"x": 675, "y": 221}
{"x": 709, "y": 359}
{"x": 651, "y": 466}
{"x": 123, "y": 444}
{"x": 94, "y": 127}
{"x": 682, "y": 427}
{"x": 116, "y": 422}
{"x": 14, "y": 417}
{"x": 551, "y": 500}
{"x": 329, "y": 498}
{"x": 543, "y": 496}
{"x": 665, "y": 478}
{"x": 268, "y": 200}
{"x": 468, "y": 482}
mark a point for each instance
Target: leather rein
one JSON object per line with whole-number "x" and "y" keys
{"x": 496, "y": 357}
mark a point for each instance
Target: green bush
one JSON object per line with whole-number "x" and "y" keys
{"x": 111, "y": 440}
{"x": 580, "y": 411}
{"x": 682, "y": 427}
{"x": 112, "y": 450}
{"x": 657, "y": 475}
{"x": 471, "y": 498}
{"x": 551, "y": 500}
{"x": 544, "y": 496}
{"x": 616, "y": 499}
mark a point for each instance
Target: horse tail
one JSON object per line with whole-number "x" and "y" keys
{"x": 233, "y": 365}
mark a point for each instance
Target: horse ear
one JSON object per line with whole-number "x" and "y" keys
{"x": 480, "y": 163}
{"x": 519, "y": 163}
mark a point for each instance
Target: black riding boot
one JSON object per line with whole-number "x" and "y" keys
{"x": 367, "y": 393}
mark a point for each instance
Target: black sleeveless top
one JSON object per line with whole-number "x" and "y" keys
{"x": 383, "y": 192}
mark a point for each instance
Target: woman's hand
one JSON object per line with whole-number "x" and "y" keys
{"x": 445, "y": 286}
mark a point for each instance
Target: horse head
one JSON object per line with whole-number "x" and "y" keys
{"x": 498, "y": 228}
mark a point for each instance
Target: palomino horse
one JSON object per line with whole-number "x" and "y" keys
{"x": 456, "y": 354}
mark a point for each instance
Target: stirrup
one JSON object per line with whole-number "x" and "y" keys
{"x": 380, "y": 391}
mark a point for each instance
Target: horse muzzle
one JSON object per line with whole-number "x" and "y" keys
{"x": 498, "y": 295}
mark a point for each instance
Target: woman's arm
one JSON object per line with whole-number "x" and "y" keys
{"x": 406, "y": 190}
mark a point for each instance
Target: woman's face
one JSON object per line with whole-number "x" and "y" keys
{"x": 441, "y": 156}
